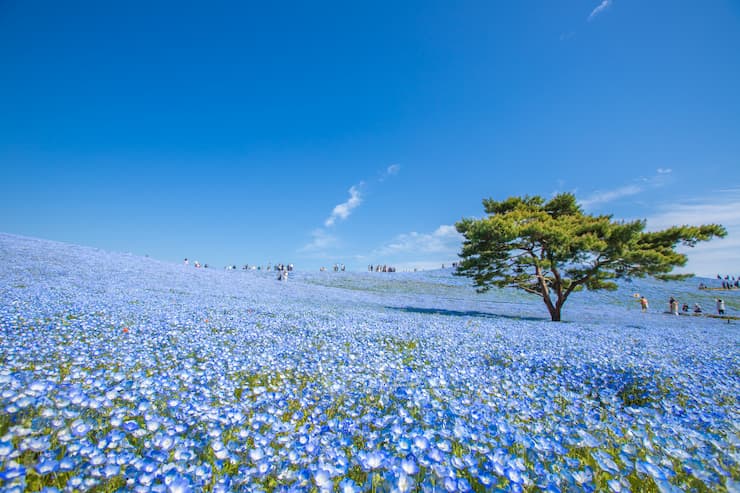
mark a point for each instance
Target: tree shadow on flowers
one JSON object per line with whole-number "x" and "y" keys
{"x": 464, "y": 313}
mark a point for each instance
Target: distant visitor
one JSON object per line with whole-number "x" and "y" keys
{"x": 644, "y": 303}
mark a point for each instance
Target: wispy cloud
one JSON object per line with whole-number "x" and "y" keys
{"x": 409, "y": 251}
{"x": 605, "y": 4}
{"x": 444, "y": 240}
{"x": 343, "y": 210}
{"x": 567, "y": 35}
{"x": 642, "y": 185}
{"x": 716, "y": 256}
{"x": 391, "y": 170}
{"x": 727, "y": 213}
{"x": 320, "y": 240}
{"x": 414, "y": 265}
{"x": 610, "y": 195}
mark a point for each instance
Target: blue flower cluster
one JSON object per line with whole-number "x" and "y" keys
{"x": 121, "y": 373}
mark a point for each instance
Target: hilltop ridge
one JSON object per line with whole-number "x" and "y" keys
{"x": 47, "y": 261}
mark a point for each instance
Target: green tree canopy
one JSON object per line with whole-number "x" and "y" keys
{"x": 552, "y": 249}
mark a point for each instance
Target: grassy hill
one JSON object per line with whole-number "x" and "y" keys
{"x": 119, "y": 372}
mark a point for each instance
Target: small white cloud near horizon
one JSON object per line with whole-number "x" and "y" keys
{"x": 605, "y": 4}
{"x": 444, "y": 240}
{"x": 422, "y": 251}
{"x": 423, "y": 265}
{"x": 696, "y": 213}
{"x": 664, "y": 171}
{"x": 719, "y": 255}
{"x": 320, "y": 240}
{"x": 343, "y": 210}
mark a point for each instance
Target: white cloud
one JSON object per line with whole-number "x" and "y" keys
{"x": 643, "y": 184}
{"x": 610, "y": 195}
{"x": 423, "y": 265}
{"x": 392, "y": 170}
{"x": 320, "y": 240}
{"x": 599, "y": 9}
{"x": 727, "y": 214}
{"x": 708, "y": 258}
{"x": 343, "y": 210}
{"x": 444, "y": 240}
{"x": 422, "y": 251}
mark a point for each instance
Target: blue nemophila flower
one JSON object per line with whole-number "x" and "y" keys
{"x": 323, "y": 481}
{"x": 371, "y": 460}
{"x": 617, "y": 486}
{"x": 404, "y": 483}
{"x": 514, "y": 475}
{"x": 6, "y": 448}
{"x": 75, "y": 482}
{"x": 80, "y": 428}
{"x": 179, "y": 484}
{"x": 605, "y": 462}
{"x": 665, "y": 487}
{"x": 11, "y": 473}
{"x": 47, "y": 466}
{"x": 645, "y": 467}
{"x": 349, "y": 486}
{"x": 67, "y": 464}
{"x": 421, "y": 442}
{"x": 409, "y": 465}
{"x": 256, "y": 454}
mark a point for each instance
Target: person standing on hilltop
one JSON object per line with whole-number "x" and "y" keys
{"x": 673, "y": 305}
{"x": 720, "y": 306}
{"x": 644, "y": 303}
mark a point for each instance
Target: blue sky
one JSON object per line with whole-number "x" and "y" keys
{"x": 360, "y": 132}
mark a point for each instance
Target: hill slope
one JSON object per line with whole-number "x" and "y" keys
{"x": 124, "y": 372}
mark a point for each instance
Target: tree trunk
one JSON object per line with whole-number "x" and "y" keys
{"x": 554, "y": 309}
{"x": 555, "y": 313}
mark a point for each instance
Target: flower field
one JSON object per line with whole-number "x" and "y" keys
{"x": 122, "y": 373}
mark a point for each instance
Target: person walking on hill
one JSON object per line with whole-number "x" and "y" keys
{"x": 720, "y": 306}
{"x": 644, "y": 304}
{"x": 673, "y": 305}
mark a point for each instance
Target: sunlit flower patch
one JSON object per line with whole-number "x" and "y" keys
{"x": 123, "y": 373}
